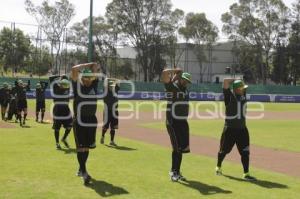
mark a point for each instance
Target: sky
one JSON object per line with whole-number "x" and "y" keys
{"x": 14, "y": 11}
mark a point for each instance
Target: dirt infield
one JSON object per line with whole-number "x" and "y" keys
{"x": 269, "y": 159}
{"x": 265, "y": 158}
{"x": 6, "y": 125}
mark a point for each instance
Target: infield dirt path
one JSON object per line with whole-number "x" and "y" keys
{"x": 284, "y": 162}
{"x": 269, "y": 159}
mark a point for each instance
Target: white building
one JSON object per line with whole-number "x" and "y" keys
{"x": 218, "y": 58}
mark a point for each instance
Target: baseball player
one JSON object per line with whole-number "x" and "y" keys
{"x": 235, "y": 130}
{"x": 85, "y": 85}
{"x": 12, "y": 109}
{"x": 21, "y": 88}
{"x": 176, "y": 83}
{"x": 110, "y": 112}
{"x": 61, "y": 112}
{"x": 4, "y": 99}
{"x": 40, "y": 100}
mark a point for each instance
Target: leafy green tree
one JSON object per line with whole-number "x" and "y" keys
{"x": 39, "y": 62}
{"x": 105, "y": 39}
{"x": 53, "y": 20}
{"x": 294, "y": 43}
{"x": 280, "y": 73}
{"x": 14, "y": 48}
{"x": 170, "y": 40}
{"x": 140, "y": 23}
{"x": 203, "y": 33}
{"x": 258, "y": 23}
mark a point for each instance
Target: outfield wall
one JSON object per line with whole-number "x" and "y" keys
{"x": 198, "y": 88}
{"x": 194, "y": 96}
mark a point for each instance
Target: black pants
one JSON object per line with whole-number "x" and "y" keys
{"x": 230, "y": 137}
{"x": 40, "y": 106}
{"x": 85, "y": 134}
{"x": 178, "y": 131}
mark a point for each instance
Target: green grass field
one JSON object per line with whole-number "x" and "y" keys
{"x": 32, "y": 168}
{"x": 149, "y": 106}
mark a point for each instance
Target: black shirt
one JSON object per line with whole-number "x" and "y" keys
{"x": 21, "y": 92}
{"x": 178, "y": 100}
{"x": 235, "y": 109}
{"x": 86, "y": 110}
{"x": 40, "y": 93}
{"x": 4, "y": 94}
{"x": 61, "y": 100}
{"x": 109, "y": 99}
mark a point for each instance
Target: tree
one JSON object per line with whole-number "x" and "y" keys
{"x": 170, "y": 41}
{"x": 53, "y": 20}
{"x": 140, "y": 23}
{"x": 258, "y": 23}
{"x": 14, "y": 48}
{"x": 248, "y": 57}
{"x": 294, "y": 43}
{"x": 39, "y": 61}
{"x": 203, "y": 34}
{"x": 124, "y": 69}
{"x": 105, "y": 38}
{"x": 280, "y": 71}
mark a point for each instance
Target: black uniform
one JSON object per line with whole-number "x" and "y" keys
{"x": 40, "y": 97}
{"x": 85, "y": 120}
{"x": 111, "y": 113}
{"x": 61, "y": 112}
{"x": 12, "y": 110}
{"x": 21, "y": 97}
{"x": 4, "y": 97}
{"x": 4, "y": 100}
{"x": 176, "y": 122}
{"x": 235, "y": 130}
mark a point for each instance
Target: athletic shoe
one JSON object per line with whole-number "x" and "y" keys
{"x": 102, "y": 140}
{"x": 112, "y": 143}
{"x": 58, "y": 147}
{"x": 86, "y": 178}
{"x": 175, "y": 177}
{"x": 248, "y": 177}
{"x": 64, "y": 141}
{"x": 79, "y": 173}
{"x": 37, "y": 120}
{"x": 178, "y": 176}
{"x": 218, "y": 171}
{"x": 181, "y": 177}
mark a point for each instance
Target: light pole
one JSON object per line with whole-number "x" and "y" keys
{"x": 91, "y": 46}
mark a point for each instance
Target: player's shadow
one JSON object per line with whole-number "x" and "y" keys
{"x": 121, "y": 148}
{"x": 25, "y": 126}
{"x": 44, "y": 122}
{"x": 68, "y": 151}
{"x": 105, "y": 189}
{"x": 262, "y": 183}
{"x": 205, "y": 189}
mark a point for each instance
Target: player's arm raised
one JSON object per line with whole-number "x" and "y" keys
{"x": 227, "y": 82}
{"x": 76, "y": 69}
{"x": 170, "y": 75}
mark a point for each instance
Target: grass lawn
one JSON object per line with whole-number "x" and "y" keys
{"x": 32, "y": 168}
{"x": 150, "y": 105}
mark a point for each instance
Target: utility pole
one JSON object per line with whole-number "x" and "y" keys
{"x": 91, "y": 46}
